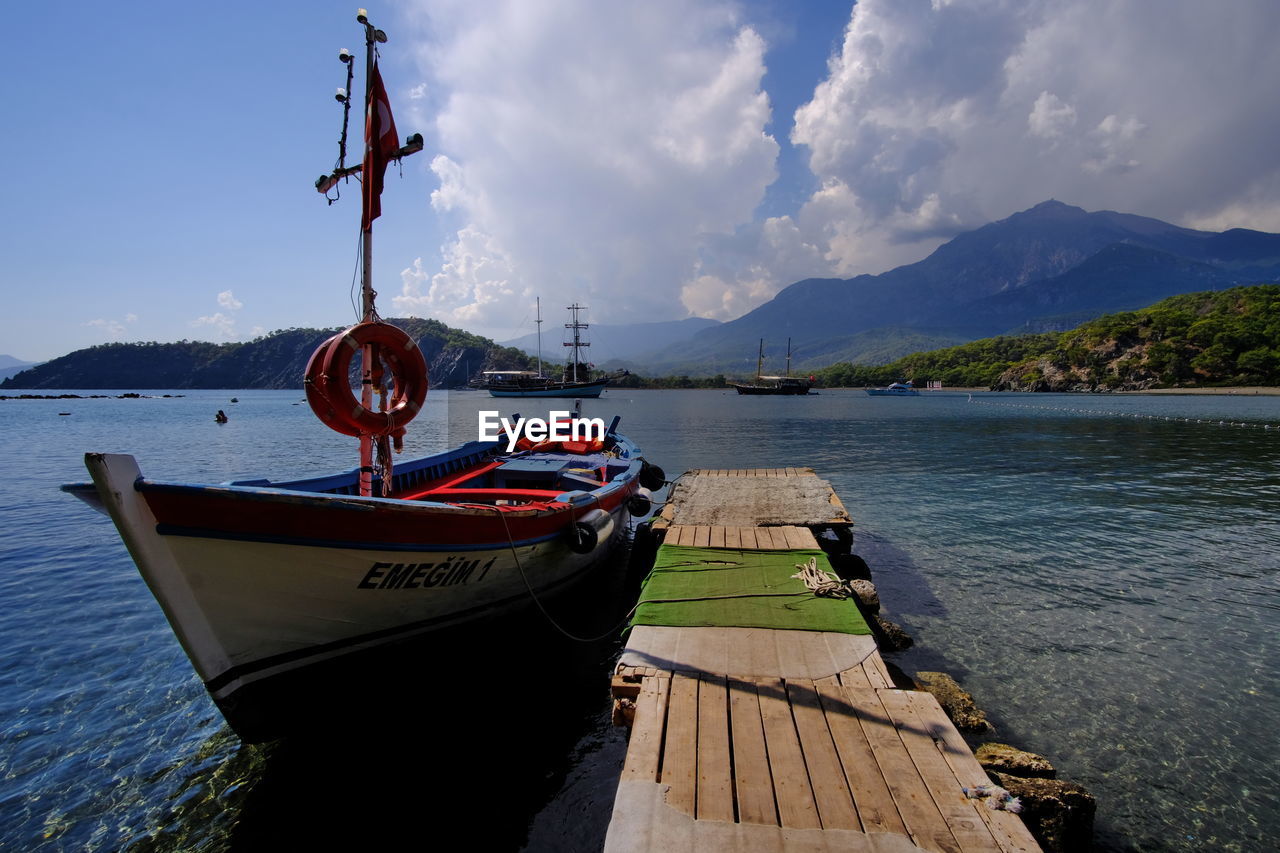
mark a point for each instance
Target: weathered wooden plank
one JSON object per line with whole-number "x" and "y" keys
{"x": 919, "y": 813}
{"x": 791, "y": 789}
{"x": 753, "y": 781}
{"x": 680, "y": 748}
{"x": 715, "y": 780}
{"x": 750, "y": 542}
{"x": 855, "y": 678}
{"x": 1008, "y": 829}
{"x": 964, "y": 822}
{"x": 717, "y": 537}
{"x": 645, "y": 746}
{"x": 877, "y": 672}
{"x": 733, "y": 537}
{"x": 871, "y": 794}
{"x": 826, "y": 776}
{"x": 702, "y": 536}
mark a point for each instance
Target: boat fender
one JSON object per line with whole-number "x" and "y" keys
{"x": 641, "y": 503}
{"x": 652, "y": 477}
{"x": 589, "y": 531}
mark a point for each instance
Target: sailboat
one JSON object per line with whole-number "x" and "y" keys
{"x": 264, "y": 580}
{"x": 784, "y": 385}
{"x": 576, "y": 381}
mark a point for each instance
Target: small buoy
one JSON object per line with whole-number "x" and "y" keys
{"x": 640, "y": 504}
{"x": 652, "y": 477}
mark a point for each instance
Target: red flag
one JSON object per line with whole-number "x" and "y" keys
{"x": 380, "y": 145}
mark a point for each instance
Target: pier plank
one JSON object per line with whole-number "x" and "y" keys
{"x": 715, "y": 780}
{"x": 791, "y": 787}
{"x": 718, "y": 537}
{"x": 923, "y": 821}
{"x": 1010, "y": 833}
{"x": 733, "y": 537}
{"x": 645, "y": 747}
{"x": 962, "y": 819}
{"x": 680, "y": 748}
{"x": 830, "y": 790}
{"x": 702, "y": 536}
{"x": 871, "y": 795}
{"x": 753, "y": 780}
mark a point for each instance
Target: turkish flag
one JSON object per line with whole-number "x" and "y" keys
{"x": 380, "y": 144}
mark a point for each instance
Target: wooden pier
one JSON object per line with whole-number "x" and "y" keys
{"x": 763, "y": 738}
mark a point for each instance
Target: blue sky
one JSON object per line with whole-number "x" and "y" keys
{"x": 654, "y": 160}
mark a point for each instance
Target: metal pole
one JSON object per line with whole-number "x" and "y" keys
{"x": 366, "y": 352}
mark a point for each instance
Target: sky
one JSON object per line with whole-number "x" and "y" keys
{"x": 652, "y": 160}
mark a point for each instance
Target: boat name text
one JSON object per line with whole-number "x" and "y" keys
{"x": 560, "y": 426}
{"x": 451, "y": 572}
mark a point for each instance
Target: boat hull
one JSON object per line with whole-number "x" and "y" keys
{"x": 775, "y": 390}
{"x": 262, "y": 584}
{"x": 887, "y": 392}
{"x": 559, "y": 389}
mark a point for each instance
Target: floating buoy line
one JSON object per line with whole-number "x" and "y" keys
{"x": 1132, "y": 415}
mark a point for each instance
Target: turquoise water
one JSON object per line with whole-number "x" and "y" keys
{"x": 1100, "y": 572}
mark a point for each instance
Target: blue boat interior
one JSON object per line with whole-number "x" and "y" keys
{"x": 479, "y": 472}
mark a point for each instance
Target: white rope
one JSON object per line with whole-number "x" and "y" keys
{"x": 821, "y": 583}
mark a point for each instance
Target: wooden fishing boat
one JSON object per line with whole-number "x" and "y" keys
{"x": 262, "y": 580}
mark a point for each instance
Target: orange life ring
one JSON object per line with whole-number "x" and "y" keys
{"x": 329, "y": 391}
{"x": 314, "y": 383}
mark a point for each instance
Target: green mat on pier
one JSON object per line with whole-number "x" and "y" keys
{"x": 730, "y": 588}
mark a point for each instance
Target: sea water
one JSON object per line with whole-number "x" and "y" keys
{"x": 1099, "y": 571}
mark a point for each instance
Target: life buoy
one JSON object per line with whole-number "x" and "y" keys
{"x": 329, "y": 390}
{"x": 314, "y": 383}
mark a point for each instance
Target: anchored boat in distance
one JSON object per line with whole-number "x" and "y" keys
{"x": 787, "y": 385}
{"x": 576, "y": 381}
{"x": 895, "y": 389}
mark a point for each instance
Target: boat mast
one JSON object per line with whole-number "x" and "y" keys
{"x": 539, "y": 322}
{"x": 577, "y": 341}
{"x": 760, "y": 361}
{"x": 368, "y": 311}
{"x": 788, "y": 356}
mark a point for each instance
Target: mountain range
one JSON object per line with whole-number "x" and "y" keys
{"x": 10, "y": 365}
{"x": 1048, "y": 268}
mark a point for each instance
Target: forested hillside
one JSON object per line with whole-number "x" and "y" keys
{"x": 276, "y": 360}
{"x": 1229, "y": 337}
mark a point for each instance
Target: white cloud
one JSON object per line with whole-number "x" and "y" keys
{"x": 590, "y": 151}
{"x": 1050, "y": 118}
{"x": 941, "y": 115}
{"x": 224, "y": 323}
{"x": 115, "y": 329}
{"x": 615, "y": 154}
{"x": 228, "y": 300}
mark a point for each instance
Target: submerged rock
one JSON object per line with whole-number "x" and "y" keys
{"x": 890, "y": 636}
{"x": 1007, "y": 759}
{"x": 1058, "y": 813}
{"x": 955, "y": 700}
